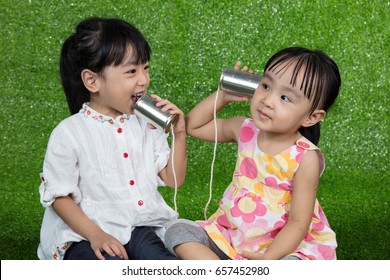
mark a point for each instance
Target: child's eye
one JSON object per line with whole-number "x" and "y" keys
{"x": 146, "y": 67}
{"x": 265, "y": 86}
{"x": 285, "y": 98}
{"x": 131, "y": 71}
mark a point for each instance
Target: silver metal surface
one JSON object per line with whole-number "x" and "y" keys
{"x": 146, "y": 108}
{"x": 238, "y": 82}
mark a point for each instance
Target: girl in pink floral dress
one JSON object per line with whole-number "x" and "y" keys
{"x": 269, "y": 210}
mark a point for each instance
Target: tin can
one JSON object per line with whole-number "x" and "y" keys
{"x": 146, "y": 108}
{"x": 238, "y": 82}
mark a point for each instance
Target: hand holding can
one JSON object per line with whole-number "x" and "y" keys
{"x": 146, "y": 108}
{"x": 238, "y": 82}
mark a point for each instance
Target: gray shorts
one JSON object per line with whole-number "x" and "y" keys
{"x": 182, "y": 231}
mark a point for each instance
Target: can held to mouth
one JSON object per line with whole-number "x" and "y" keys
{"x": 238, "y": 82}
{"x": 146, "y": 108}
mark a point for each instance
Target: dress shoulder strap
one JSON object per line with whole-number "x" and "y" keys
{"x": 304, "y": 143}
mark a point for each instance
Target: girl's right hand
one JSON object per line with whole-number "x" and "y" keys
{"x": 244, "y": 69}
{"x": 71, "y": 214}
{"x": 104, "y": 242}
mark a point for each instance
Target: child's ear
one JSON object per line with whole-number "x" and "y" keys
{"x": 314, "y": 118}
{"x": 90, "y": 80}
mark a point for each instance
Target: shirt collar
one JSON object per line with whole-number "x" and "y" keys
{"x": 88, "y": 112}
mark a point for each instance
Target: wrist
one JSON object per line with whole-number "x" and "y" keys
{"x": 181, "y": 134}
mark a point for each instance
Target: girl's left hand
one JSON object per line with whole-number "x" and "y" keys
{"x": 165, "y": 106}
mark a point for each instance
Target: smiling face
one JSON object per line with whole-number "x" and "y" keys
{"x": 118, "y": 88}
{"x": 278, "y": 107}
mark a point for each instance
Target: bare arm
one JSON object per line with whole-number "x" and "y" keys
{"x": 75, "y": 218}
{"x": 304, "y": 196}
{"x": 200, "y": 120}
{"x": 179, "y": 146}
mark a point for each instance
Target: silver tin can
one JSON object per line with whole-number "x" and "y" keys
{"x": 238, "y": 82}
{"x": 146, "y": 108}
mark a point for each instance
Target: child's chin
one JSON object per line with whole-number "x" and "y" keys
{"x": 129, "y": 111}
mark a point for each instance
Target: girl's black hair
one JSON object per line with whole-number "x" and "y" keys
{"x": 96, "y": 44}
{"x": 320, "y": 83}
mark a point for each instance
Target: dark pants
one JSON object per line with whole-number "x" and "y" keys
{"x": 143, "y": 245}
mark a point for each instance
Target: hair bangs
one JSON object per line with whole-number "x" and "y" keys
{"x": 304, "y": 68}
{"x": 122, "y": 39}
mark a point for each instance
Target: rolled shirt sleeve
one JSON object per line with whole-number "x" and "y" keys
{"x": 60, "y": 170}
{"x": 161, "y": 152}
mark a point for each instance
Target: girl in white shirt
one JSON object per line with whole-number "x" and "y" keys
{"x": 103, "y": 164}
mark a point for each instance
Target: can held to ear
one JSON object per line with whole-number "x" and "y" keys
{"x": 146, "y": 108}
{"x": 238, "y": 82}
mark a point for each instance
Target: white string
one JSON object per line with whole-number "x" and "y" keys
{"x": 173, "y": 167}
{"x": 214, "y": 155}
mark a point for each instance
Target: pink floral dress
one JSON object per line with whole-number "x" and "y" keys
{"x": 256, "y": 205}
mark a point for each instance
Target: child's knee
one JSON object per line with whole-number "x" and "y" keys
{"x": 181, "y": 231}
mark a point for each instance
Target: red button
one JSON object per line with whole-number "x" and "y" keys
{"x": 119, "y": 130}
{"x": 140, "y": 202}
{"x": 125, "y": 155}
{"x": 131, "y": 182}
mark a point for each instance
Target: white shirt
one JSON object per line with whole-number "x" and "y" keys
{"x": 110, "y": 168}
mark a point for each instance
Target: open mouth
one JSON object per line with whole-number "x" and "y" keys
{"x": 136, "y": 96}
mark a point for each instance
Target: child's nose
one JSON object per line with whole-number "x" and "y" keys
{"x": 267, "y": 100}
{"x": 143, "y": 78}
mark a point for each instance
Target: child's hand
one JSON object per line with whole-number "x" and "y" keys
{"x": 244, "y": 69}
{"x": 229, "y": 97}
{"x": 165, "y": 106}
{"x": 104, "y": 242}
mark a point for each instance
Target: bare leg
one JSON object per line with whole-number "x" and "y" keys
{"x": 194, "y": 251}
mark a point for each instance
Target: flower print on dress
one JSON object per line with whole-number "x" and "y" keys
{"x": 224, "y": 221}
{"x": 233, "y": 191}
{"x": 273, "y": 183}
{"x": 247, "y": 133}
{"x": 221, "y": 241}
{"x": 300, "y": 153}
{"x": 281, "y": 165}
{"x": 248, "y": 168}
{"x": 248, "y": 207}
{"x": 257, "y": 235}
{"x": 326, "y": 252}
{"x": 278, "y": 195}
{"x": 257, "y": 228}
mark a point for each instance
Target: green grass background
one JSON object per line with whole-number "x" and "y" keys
{"x": 192, "y": 41}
